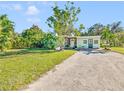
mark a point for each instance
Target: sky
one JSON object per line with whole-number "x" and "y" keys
{"x": 26, "y": 13}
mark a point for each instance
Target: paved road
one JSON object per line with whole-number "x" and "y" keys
{"x": 85, "y": 70}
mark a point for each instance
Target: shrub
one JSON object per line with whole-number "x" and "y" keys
{"x": 49, "y": 41}
{"x": 60, "y": 41}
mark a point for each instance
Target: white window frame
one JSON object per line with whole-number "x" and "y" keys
{"x": 85, "y": 40}
{"x": 97, "y": 41}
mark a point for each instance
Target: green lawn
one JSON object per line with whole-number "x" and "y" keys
{"x": 118, "y": 49}
{"x": 20, "y": 67}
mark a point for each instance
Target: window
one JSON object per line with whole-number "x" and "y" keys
{"x": 84, "y": 41}
{"x": 95, "y": 41}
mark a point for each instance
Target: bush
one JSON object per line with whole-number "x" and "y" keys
{"x": 49, "y": 41}
{"x": 60, "y": 41}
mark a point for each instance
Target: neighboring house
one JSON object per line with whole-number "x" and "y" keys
{"x": 82, "y": 41}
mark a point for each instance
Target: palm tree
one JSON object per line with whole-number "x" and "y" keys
{"x": 106, "y": 36}
{"x": 115, "y": 27}
{"x": 112, "y": 39}
{"x": 96, "y": 29}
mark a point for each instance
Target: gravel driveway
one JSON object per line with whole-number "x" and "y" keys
{"x": 85, "y": 70}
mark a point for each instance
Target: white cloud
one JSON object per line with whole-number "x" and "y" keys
{"x": 34, "y": 20}
{"x": 32, "y": 10}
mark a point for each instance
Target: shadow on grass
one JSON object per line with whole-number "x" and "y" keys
{"x": 25, "y": 51}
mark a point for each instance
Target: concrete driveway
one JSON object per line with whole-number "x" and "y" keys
{"x": 85, "y": 70}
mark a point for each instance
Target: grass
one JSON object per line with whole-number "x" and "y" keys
{"x": 23, "y": 51}
{"x": 118, "y": 49}
{"x": 21, "y": 67}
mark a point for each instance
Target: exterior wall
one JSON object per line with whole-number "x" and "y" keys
{"x": 80, "y": 43}
{"x": 96, "y": 45}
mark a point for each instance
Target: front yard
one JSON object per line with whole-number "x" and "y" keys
{"x": 18, "y": 68}
{"x": 118, "y": 49}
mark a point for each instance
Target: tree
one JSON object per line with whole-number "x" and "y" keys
{"x": 105, "y": 36}
{"x": 60, "y": 41}
{"x": 32, "y": 36}
{"x": 108, "y": 37}
{"x": 6, "y": 32}
{"x": 49, "y": 41}
{"x": 4, "y": 42}
{"x": 77, "y": 32}
{"x": 119, "y": 39}
{"x": 112, "y": 39}
{"x": 96, "y": 29}
{"x": 19, "y": 42}
{"x": 63, "y": 20}
{"x": 81, "y": 27}
{"x": 115, "y": 27}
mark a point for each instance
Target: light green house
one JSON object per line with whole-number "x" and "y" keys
{"x": 82, "y": 41}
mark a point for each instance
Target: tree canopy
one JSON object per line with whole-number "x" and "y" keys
{"x": 32, "y": 35}
{"x": 6, "y": 32}
{"x": 63, "y": 20}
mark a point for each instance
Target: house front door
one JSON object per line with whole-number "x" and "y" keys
{"x": 90, "y": 43}
{"x": 72, "y": 43}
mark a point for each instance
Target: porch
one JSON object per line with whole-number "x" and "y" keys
{"x": 70, "y": 42}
